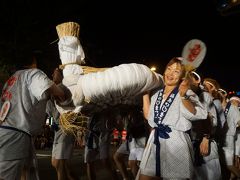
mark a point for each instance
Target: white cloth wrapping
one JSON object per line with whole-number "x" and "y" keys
{"x": 71, "y": 51}
{"x": 115, "y": 85}
{"x": 119, "y": 84}
{"x": 72, "y": 55}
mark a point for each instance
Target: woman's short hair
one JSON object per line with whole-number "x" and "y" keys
{"x": 178, "y": 60}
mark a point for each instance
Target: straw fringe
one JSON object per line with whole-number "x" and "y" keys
{"x": 68, "y": 29}
{"x": 73, "y": 123}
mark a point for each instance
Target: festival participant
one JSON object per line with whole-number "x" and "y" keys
{"x": 23, "y": 106}
{"x": 232, "y": 115}
{"x": 237, "y": 147}
{"x": 98, "y": 141}
{"x": 212, "y": 86}
{"x": 206, "y": 161}
{"x": 134, "y": 145}
{"x": 63, "y": 144}
{"x": 169, "y": 111}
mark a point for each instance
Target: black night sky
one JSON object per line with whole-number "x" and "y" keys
{"x": 116, "y": 32}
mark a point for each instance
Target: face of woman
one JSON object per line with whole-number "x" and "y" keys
{"x": 172, "y": 74}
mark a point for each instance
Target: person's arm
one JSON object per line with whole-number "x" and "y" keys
{"x": 189, "y": 105}
{"x": 146, "y": 105}
{"x": 204, "y": 146}
{"x": 183, "y": 88}
{"x": 58, "y": 93}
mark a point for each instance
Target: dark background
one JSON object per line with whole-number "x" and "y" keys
{"x": 116, "y": 32}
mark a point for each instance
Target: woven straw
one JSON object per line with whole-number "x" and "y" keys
{"x": 68, "y": 29}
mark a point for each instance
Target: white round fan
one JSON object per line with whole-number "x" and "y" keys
{"x": 193, "y": 53}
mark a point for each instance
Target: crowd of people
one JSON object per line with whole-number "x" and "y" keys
{"x": 187, "y": 128}
{"x": 44, "y": 140}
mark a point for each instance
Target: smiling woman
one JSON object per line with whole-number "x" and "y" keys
{"x": 169, "y": 113}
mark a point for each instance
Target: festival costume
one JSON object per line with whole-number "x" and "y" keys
{"x": 206, "y": 167}
{"x": 25, "y": 91}
{"x": 232, "y": 117}
{"x": 136, "y": 147}
{"x": 98, "y": 139}
{"x": 175, "y": 156}
{"x": 63, "y": 143}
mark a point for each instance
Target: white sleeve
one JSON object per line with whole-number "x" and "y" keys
{"x": 201, "y": 111}
{"x": 39, "y": 83}
{"x": 236, "y": 116}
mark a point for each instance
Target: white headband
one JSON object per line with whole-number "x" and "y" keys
{"x": 179, "y": 58}
{"x": 196, "y": 74}
{"x": 222, "y": 90}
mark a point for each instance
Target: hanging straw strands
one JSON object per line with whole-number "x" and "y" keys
{"x": 73, "y": 123}
{"x": 88, "y": 69}
{"x": 68, "y": 29}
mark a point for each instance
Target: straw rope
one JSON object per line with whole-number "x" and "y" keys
{"x": 62, "y": 66}
{"x": 86, "y": 69}
{"x": 68, "y": 29}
